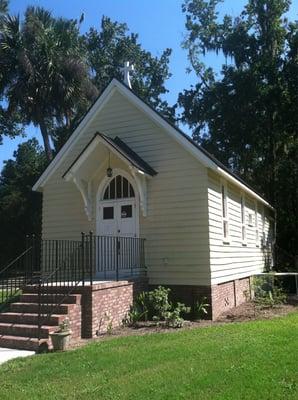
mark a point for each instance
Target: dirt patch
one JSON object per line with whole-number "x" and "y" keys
{"x": 245, "y": 312}
{"x": 249, "y": 311}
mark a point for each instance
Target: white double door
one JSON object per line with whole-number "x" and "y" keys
{"x": 117, "y": 230}
{"x": 118, "y": 218}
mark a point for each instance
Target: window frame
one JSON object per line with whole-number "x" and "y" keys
{"x": 251, "y": 222}
{"x": 263, "y": 239}
{"x": 243, "y": 219}
{"x": 225, "y": 212}
{"x": 118, "y": 188}
{"x": 257, "y": 232}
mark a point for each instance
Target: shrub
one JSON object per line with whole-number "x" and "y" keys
{"x": 159, "y": 304}
{"x": 156, "y": 306}
{"x": 267, "y": 292}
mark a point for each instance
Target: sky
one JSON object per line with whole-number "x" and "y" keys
{"x": 159, "y": 24}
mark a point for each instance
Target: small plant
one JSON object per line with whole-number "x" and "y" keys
{"x": 143, "y": 304}
{"x": 133, "y": 316}
{"x": 60, "y": 338}
{"x": 173, "y": 318}
{"x": 267, "y": 293}
{"x": 108, "y": 321}
{"x": 64, "y": 326}
{"x": 110, "y": 327}
{"x": 201, "y": 308}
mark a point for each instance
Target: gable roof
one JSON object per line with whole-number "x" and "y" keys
{"x": 120, "y": 148}
{"x": 192, "y": 147}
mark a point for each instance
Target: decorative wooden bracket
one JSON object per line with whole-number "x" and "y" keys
{"x": 141, "y": 182}
{"x": 85, "y": 189}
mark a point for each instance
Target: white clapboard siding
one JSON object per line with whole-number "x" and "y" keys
{"x": 235, "y": 259}
{"x": 176, "y": 227}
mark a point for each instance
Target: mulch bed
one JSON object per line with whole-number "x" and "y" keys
{"x": 245, "y": 312}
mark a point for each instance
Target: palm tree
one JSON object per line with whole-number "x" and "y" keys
{"x": 3, "y": 7}
{"x": 45, "y": 72}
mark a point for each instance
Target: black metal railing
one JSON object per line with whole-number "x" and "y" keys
{"x": 63, "y": 269}
{"x": 116, "y": 257}
{"x": 57, "y": 267}
{"x": 19, "y": 272}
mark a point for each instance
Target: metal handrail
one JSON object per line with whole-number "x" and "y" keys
{"x": 66, "y": 263}
{"x": 12, "y": 284}
{"x": 45, "y": 282}
{"x": 15, "y": 260}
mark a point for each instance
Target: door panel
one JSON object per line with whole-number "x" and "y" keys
{"x": 126, "y": 219}
{"x": 116, "y": 246}
{"x": 108, "y": 223}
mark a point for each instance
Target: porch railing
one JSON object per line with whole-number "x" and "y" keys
{"x": 68, "y": 263}
{"x": 117, "y": 257}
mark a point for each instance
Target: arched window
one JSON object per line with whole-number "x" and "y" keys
{"x": 118, "y": 188}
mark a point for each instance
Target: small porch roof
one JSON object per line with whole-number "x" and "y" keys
{"x": 116, "y": 146}
{"x": 94, "y": 156}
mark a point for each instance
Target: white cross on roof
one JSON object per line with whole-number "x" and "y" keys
{"x": 126, "y": 70}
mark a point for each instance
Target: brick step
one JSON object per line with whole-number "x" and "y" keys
{"x": 23, "y": 343}
{"x": 50, "y": 298}
{"x": 23, "y": 330}
{"x": 30, "y": 318}
{"x": 34, "y": 308}
{"x": 51, "y": 289}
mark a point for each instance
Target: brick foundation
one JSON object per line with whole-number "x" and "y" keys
{"x": 105, "y": 305}
{"x": 221, "y": 297}
{"x": 228, "y": 295}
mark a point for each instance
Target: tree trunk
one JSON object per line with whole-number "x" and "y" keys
{"x": 46, "y": 140}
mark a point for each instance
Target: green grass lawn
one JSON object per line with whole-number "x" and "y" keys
{"x": 254, "y": 360}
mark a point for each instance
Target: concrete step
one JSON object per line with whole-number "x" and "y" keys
{"x": 23, "y": 343}
{"x": 23, "y": 330}
{"x": 34, "y": 308}
{"x": 50, "y": 298}
{"x": 30, "y": 318}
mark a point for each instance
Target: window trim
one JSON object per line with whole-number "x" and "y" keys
{"x": 263, "y": 238}
{"x": 225, "y": 212}
{"x": 243, "y": 219}
{"x": 257, "y": 231}
{"x": 115, "y": 180}
{"x": 251, "y": 222}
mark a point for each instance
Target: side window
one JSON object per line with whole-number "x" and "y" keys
{"x": 243, "y": 225}
{"x": 257, "y": 225}
{"x": 225, "y": 213}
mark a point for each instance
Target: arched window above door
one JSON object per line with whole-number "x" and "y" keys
{"x": 118, "y": 188}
